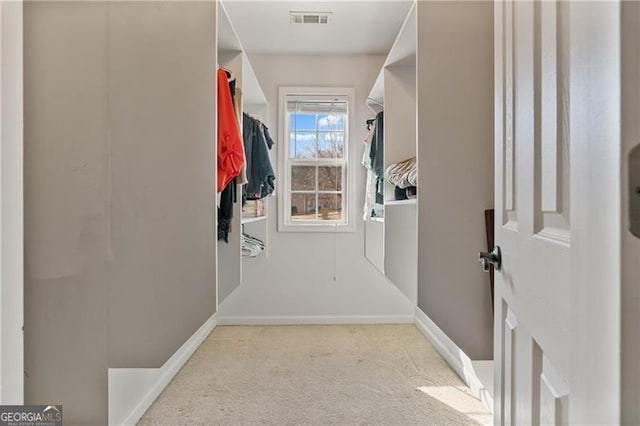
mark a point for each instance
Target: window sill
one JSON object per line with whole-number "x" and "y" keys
{"x": 314, "y": 229}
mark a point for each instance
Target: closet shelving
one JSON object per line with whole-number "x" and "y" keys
{"x": 400, "y": 202}
{"x": 436, "y": 90}
{"x": 247, "y": 220}
{"x": 391, "y": 243}
{"x": 232, "y": 56}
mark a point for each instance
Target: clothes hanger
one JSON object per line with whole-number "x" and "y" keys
{"x": 254, "y": 117}
{"x": 370, "y": 122}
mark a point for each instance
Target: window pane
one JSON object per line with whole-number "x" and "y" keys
{"x": 330, "y": 178}
{"x": 303, "y": 206}
{"x": 331, "y": 122}
{"x": 330, "y": 145}
{"x": 330, "y": 206}
{"x": 302, "y": 144}
{"x": 302, "y": 121}
{"x": 303, "y": 178}
{"x": 316, "y": 170}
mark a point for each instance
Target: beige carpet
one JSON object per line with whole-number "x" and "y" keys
{"x": 316, "y": 375}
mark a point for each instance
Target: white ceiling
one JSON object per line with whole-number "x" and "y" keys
{"x": 355, "y": 26}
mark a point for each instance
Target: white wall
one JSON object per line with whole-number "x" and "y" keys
{"x": 297, "y": 277}
{"x": 11, "y": 228}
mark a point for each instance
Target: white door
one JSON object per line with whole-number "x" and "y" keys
{"x": 552, "y": 131}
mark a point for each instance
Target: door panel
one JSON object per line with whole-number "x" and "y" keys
{"x": 506, "y": 40}
{"x": 532, "y": 209}
{"x": 551, "y": 395}
{"x": 510, "y": 325}
{"x": 552, "y": 124}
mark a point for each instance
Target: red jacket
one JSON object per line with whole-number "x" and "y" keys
{"x": 230, "y": 152}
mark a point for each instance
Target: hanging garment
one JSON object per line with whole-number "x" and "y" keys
{"x": 377, "y": 157}
{"x": 267, "y": 135}
{"x": 257, "y": 143}
{"x": 368, "y": 140}
{"x": 237, "y": 106}
{"x": 371, "y": 208}
{"x": 230, "y": 154}
{"x": 228, "y": 198}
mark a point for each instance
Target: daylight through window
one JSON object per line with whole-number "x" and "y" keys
{"x": 316, "y": 163}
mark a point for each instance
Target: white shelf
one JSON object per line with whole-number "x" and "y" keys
{"x": 227, "y": 37}
{"x": 253, "y": 219}
{"x": 231, "y": 55}
{"x": 400, "y": 202}
{"x": 253, "y": 97}
{"x": 403, "y": 51}
{"x": 402, "y": 54}
{"x": 375, "y": 100}
{"x": 252, "y": 94}
{"x": 395, "y": 89}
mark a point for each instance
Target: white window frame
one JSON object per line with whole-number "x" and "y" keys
{"x": 285, "y": 222}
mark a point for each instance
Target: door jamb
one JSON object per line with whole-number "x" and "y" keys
{"x": 11, "y": 204}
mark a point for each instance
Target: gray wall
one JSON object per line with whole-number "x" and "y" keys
{"x": 630, "y": 340}
{"x": 119, "y": 192}
{"x": 455, "y": 128}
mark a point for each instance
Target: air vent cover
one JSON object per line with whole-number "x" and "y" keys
{"x": 309, "y": 17}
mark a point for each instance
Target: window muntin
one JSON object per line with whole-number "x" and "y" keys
{"x": 316, "y": 133}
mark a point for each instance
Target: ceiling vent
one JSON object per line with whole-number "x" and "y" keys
{"x": 309, "y": 17}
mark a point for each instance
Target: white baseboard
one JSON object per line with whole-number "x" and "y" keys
{"x": 133, "y": 390}
{"x": 315, "y": 320}
{"x": 456, "y": 358}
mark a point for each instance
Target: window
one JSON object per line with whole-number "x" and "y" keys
{"x": 314, "y": 160}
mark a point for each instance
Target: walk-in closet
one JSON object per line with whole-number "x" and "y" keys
{"x": 187, "y": 188}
